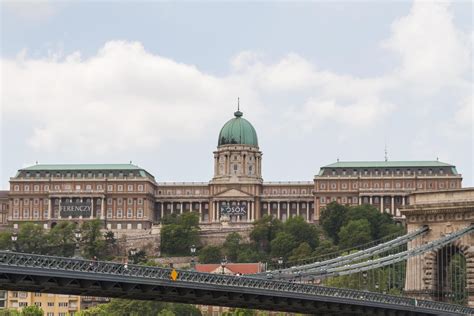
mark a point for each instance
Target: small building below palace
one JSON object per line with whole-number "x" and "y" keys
{"x": 126, "y": 196}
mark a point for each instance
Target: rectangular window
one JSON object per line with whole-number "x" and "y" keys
{"x": 78, "y": 187}
{"x": 140, "y": 201}
{"x": 27, "y": 188}
{"x": 16, "y": 213}
{"x": 16, "y": 188}
{"x": 119, "y": 213}
{"x": 109, "y": 201}
{"x": 139, "y": 213}
{"x": 46, "y": 213}
{"x": 62, "y": 304}
{"x": 323, "y": 200}
{"x": 130, "y": 201}
{"x": 88, "y": 187}
{"x": 120, "y": 187}
{"x": 50, "y": 304}
{"x": 36, "y": 201}
{"x": 129, "y": 213}
{"x": 26, "y": 213}
{"x": 109, "y": 213}
{"x": 26, "y": 202}
{"x": 130, "y": 187}
{"x": 110, "y": 187}
{"x": 15, "y": 201}
{"x": 36, "y": 188}
{"x": 35, "y": 213}
{"x": 119, "y": 201}
{"x": 140, "y": 187}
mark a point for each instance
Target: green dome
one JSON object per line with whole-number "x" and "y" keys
{"x": 238, "y": 131}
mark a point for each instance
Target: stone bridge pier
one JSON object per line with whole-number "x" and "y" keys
{"x": 430, "y": 276}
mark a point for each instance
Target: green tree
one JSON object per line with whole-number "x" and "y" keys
{"x": 332, "y": 218}
{"x": 264, "y": 231}
{"x": 232, "y": 246}
{"x": 354, "y": 233}
{"x": 302, "y": 231}
{"x": 166, "y": 312}
{"x": 283, "y": 245}
{"x": 184, "y": 309}
{"x": 32, "y": 310}
{"x": 301, "y": 252}
{"x": 377, "y": 220}
{"x": 5, "y": 240}
{"x": 326, "y": 247}
{"x": 9, "y": 312}
{"x": 60, "y": 240}
{"x": 179, "y": 233}
{"x": 248, "y": 253}
{"x": 31, "y": 238}
{"x": 92, "y": 239}
{"x": 210, "y": 254}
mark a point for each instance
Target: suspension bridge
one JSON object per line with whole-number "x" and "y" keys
{"x": 283, "y": 290}
{"x": 428, "y": 271}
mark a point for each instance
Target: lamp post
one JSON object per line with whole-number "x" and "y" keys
{"x": 14, "y": 238}
{"x": 280, "y": 265}
{"x": 364, "y": 275}
{"x": 376, "y": 287}
{"x": 223, "y": 264}
{"x": 77, "y": 250}
{"x": 193, "y": 252}
{"x": 133, "y": 252}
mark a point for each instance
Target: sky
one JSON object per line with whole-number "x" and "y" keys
{"x": 154, "y": 82}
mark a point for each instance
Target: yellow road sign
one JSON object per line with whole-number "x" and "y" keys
{"x": 174, "y": 275}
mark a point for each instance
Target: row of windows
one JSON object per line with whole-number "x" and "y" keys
{"x": 286, "y": 191}
{"x": 387, "y": 185}
{"x": 119, "y": 213}
{"x": 365, "y": 199}
{"x": 122, "y": 201}
{"x": 387, "y": 171}
{"x": 77, "y": 187}
{"x": 84, "y": 174}
{"x": 180, "y": 192}
{"x": 284, "y": 205}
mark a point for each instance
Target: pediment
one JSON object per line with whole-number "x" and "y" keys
{"x": 233, "y": 193}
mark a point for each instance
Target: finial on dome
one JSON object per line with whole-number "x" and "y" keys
{"x": 238, "y": 113}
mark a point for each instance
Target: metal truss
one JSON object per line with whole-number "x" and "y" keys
{"x": 76, "y": 276}
{"x": 384, "y": 261}
{"x": 354, "y": 257}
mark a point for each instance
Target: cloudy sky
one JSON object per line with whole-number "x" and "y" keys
{"x": 153, "y": 83}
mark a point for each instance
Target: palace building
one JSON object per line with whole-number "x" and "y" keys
{"x": 125, "y": 196}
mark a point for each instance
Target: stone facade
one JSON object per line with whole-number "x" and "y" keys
{"x": 444, "y": 212}
{"x": 127, "y": 197}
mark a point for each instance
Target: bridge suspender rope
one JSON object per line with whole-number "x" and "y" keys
{"x": 388, "y": 260}
{"x": 344, "y": 260}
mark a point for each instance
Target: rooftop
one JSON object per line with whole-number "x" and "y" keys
{"x": 386, "y": 164}
{"x": 61, "y": 167}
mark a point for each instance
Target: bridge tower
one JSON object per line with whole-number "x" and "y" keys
{"x": 446, "y": 274}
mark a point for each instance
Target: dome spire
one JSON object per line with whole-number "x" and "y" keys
{"x": 238, "y": 113}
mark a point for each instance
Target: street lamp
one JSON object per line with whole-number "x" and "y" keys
{"x": 377, "y": 287}
{"x": 364, "y": 275}
{"x": 193, "y": 252}
{"x": 280, "y": 265}
{"x": 223, "y": 264}
{"x": 77, "y": 250}
{"x": 14, "y": 238}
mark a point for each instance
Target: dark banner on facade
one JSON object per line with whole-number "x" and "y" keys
{"x": 235, "y": 209}
{"x": 75, "y": 208}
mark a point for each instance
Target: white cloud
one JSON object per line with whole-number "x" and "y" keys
{"x": 125, "y": 99}
{"x": 434, "y": 54}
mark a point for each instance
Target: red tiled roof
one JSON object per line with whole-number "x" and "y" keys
{"x": 242, "y": 268}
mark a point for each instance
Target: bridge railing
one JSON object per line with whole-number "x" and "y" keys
{"x": 93, "y": 269}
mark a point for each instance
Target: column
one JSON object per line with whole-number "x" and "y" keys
{"x": 180, "y": 207}
{"x": 298, "y": 208}
{"x": 307, "y": 212}
{"x": 381, "y": 204}
{"x": 92, "y": 209}
{"x": 403, "y": 200}
{"x": 102, "y": 208}
{"x": 50, "y": 209}
{"x": 287, "y": 210}
{"x": 392, "y": 211}
{"x": 370, "y": 200}
{"x": 172, "y": 207}
{"x": 200, "y": 211}
{"x": 59, "y": 210}
{"x": 360, "y": 200}
{"x": 278, "y": 210}
{"x": 162, "y": 207}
